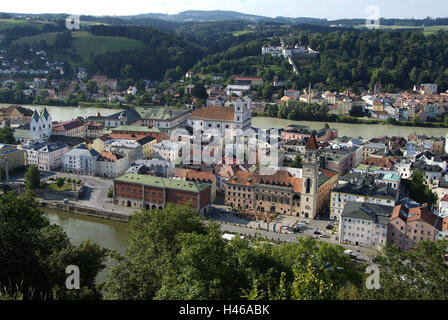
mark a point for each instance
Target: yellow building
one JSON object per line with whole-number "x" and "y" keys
{"x": 378, "y": 106}
{"x": 327, "y": 180}
{"x": 15, "y": 157}
{"x": 147, "y": 144}
{"x": 99, "y": 144}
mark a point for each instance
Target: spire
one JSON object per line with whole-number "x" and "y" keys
{"x": 36, "y": 115}
{"x": 45, "y": 114}
{"x": 312, "y": 143}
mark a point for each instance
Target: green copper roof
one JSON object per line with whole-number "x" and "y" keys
{"x": 45, "y": 114}
{"x": 159, "y": 182}
{"x": 36, "y": 115}
{"x": 21, "y": 134}
{"x": 135, "y": 128}
{"x": 162, "y": 113}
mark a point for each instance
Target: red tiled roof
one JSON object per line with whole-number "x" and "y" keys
{"x": 110, "y": 156}
{"x": 194, "y": 175}
{"x": 68, "y": 125}
{"x": 380, "y": 162}
{"x": 280, "y": 178}
{"x": 414, "y": 214}
{"x": 214, "y": 113}
{"x": 312, "y": 143}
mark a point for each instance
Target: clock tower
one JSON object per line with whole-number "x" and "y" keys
{"x": 310, "y": 179}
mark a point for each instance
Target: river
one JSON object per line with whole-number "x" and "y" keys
{"x": 69, "y": 113}
{"x": 108, "y": 234}
{"x": 345, "y": 129}
{"x": 367, "y": 131}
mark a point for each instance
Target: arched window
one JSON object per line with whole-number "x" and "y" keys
{"x": 308, "y": 185}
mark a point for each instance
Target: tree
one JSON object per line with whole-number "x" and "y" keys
{"x": 297, "y": 163}
{"x": 172, "y": 254}
{"x": 419, "y": 274}
{"x": 199, "y": 91}
{"x": 318, "y": 271}
{"x": 63, "y": 40}
{"x": 32, "y": 178}
{"x": 60, "y": 182}
{"x": 92, "y": 87}
{"x": 110, "y": 192}
{"x": 418, "y": 190}
{"x": 35, "y": 254}
{"x": 154, "y": 240}
{"x": 7, "y": 136}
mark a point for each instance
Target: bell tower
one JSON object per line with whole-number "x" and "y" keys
{"x": 310, "y": 179}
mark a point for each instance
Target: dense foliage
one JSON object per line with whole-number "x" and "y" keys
{"x": 7, "y": 136}
{"x": 35, "y": 254}
{"x": 395, "y": 58}
{"x": 163, "y": 52}
{"x": 298, "y": 110}
{"x": 185, "y": 259}
{"x": 418, "y": 190}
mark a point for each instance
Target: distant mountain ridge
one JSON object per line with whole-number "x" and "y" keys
{"x": 217, "y": 15}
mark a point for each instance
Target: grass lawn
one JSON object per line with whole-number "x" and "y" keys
{"x": 65, "y": 187}
{"x": 85, "y": 43}
{"x": 11, "y": 23}
{"x": 239, "y": 33}
{"x": 426, "y": 30}
{"x": 49, "y": 38}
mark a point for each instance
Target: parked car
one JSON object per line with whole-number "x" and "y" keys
{"x": 317, "y": 233}
{"x": 330, "y": 227}
{"x": 326, "y": 236}
{"x": 349, "y": 253}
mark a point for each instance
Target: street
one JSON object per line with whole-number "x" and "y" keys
{"x": 95, "y": 196}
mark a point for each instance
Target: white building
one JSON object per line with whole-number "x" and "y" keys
{"x": 132, "y": 90}
{"x": 237, "y": 89}
{"x": 275, "y": 51}
{"x": 171, "y": 151}
{"x": 111, "y": 164}
{"x": 45, "y": 156}
{"x": 128, "y": 148}
{"x": 360, "y": 190}
{"x": 364, "y": 224}
{"x": 81, "y": 161}
{"x": 222, "y": 118}
{"x": 39, "y": 129}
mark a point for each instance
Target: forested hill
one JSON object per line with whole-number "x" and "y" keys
{"x": 163, "y": 51}
{"x": 398, "y": 59}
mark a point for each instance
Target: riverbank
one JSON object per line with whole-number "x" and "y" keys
{"x": 91, "y": 212}
{"x": 354, "y": 130}
{"x": 369, "y": 121}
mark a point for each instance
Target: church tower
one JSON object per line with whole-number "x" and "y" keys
{"x": 310, "y": 179}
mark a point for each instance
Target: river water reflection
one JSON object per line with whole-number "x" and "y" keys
{"x": 352, "y": 130}
{"x": 108, "y": 234}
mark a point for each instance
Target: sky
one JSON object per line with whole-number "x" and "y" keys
{"x": 330, "y": 9}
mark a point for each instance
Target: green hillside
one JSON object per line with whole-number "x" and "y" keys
{"x": 426, "y": 30}
{"x": 11, "y": 23}
{"x": 85, "y": 43}
{"x": 49, "y": 38}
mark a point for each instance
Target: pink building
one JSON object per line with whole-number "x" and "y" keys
{"x": 302, "y": 133}
{"x": 408, "y": 226}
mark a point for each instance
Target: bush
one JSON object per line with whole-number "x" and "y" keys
{"x": 60, "y": 182}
